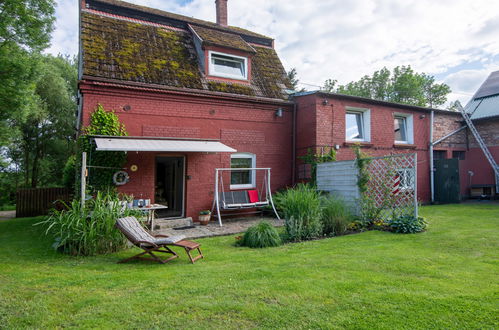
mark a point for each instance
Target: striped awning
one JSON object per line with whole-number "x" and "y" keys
{"x": 166, "y": 145}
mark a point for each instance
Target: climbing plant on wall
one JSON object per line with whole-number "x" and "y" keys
{"x": 106, "y": 123}
{"x": 326, "y": 154}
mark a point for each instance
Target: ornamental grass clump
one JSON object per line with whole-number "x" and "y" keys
{"x": 301, "y": 207}
{"x": 89, "y": 230}
{"x": 261, "y": 235}
{"x": 336, "y": 216}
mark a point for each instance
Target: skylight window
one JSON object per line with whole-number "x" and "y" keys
{"x": 228, "y": 66}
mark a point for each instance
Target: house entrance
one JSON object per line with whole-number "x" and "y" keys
{"x": 170, "y": 186}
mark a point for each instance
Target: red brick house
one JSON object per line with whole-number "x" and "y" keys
{"x": 196, "y": 95}
{"x": 215, "y": 93}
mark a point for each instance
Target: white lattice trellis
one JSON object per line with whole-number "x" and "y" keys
{"x": 392, "y": 187}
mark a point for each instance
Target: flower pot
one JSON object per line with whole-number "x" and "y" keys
{"x": 204, "y": 219}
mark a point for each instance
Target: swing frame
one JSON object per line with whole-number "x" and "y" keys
{"x": 219, "y": 179}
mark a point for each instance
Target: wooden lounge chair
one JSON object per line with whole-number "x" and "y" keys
{"x": 141, "y": 238}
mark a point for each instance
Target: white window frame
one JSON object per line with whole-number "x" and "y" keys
{"x": 407, "y": 178}
{"x": 245, "y": 155}
{"x": 409, "y": 123}
{"x": 211, "y": 67}
{"x": 366, "y": 123}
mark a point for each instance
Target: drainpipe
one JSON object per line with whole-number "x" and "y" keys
{"x": 293, "y": 143}
{"x": 432, "y": 174}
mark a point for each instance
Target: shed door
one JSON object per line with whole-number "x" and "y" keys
{"x": 447, "y": 181}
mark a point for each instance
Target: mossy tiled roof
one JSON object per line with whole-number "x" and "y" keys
{"x": 218, "y": 38}
{"x": 123, "y": 5}
{"x": 126, "y": 51}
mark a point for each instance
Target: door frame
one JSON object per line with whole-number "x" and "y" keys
{"x": 184, "y": 188}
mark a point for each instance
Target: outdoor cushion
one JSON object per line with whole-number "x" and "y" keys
{"x": 253, "y": 196}
{"x": 169, "y": 240}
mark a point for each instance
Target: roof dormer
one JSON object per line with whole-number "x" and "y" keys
{"x": 223, "y": 56}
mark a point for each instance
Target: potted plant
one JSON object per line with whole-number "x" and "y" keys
{"x": 204, "y": 217}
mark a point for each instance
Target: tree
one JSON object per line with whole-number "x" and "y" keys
{"x": 43, "y": 139}
{"x": 403, "y": 85}
{"x": 293, "y": 78}
{"x": 25, "y": 27}
{"x": 455, "y": 106}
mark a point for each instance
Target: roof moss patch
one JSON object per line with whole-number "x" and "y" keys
{"x": 268, "y": 72}
{"x": 222, "y": 39}
{"x": 216, "y": 86}
{"x": 213, "y": 26}
{"x": 128, "y": 51}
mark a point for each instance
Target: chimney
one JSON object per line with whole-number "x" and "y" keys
{"x": 221, "y": 12}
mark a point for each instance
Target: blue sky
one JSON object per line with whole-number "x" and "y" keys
{"x": 454, "y": 40}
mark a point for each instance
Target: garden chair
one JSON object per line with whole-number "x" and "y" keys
{"x": 141, "y": 238}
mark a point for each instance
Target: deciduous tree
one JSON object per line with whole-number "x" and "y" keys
{"x": 403, "y": 85}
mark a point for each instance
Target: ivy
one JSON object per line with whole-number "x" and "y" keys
{"x": 362, "y": 162}
{"x": 105, "y": 123}
{"x": 312, "y": 158}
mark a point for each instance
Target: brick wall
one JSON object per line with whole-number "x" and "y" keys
{"x": 489, "y": 131}
{"x": 327, "y": 116}
{"x": 243, "y": 125}
{"x": 445, "y": 123}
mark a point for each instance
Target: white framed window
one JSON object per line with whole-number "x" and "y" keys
{"x": 403, "y": 128}
{"x": 242, "y": 179}
{"x": 228, "y": 66}
{"x": 357, "y": 124}
{"x": 406, "y": 177}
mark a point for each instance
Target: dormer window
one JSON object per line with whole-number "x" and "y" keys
{"x": 228, "y": 66}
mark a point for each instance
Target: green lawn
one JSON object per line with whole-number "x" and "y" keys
{"x": 446, "y": 277}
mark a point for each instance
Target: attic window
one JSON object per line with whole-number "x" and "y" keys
{"x": 228, "y": 66}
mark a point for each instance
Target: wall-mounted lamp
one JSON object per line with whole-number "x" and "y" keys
{"x": 278, "y": 112}
{"x": 325, "y": 102}
{"x": 422, "y": 116}
{"x": 336, "y": 147}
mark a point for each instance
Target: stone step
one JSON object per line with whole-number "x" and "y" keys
{"x": 160, "y": 224}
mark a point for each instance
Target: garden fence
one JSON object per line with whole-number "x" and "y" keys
{"x": 39, "y": 201}
{"x": 391, "y": 188}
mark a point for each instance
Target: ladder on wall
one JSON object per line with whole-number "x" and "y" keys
{"x": 481, "y": 143}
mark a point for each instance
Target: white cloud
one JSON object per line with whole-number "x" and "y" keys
{"x": 345, "y": 40}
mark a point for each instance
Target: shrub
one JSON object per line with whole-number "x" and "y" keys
{"x": 301, "y": 207}
{"x": 407, "y": 224}
{"x": 336, "y": 216}
{"x": 89, "y": 230}
{"x": 261, "y": 235}
{"x": 69, "y": 173}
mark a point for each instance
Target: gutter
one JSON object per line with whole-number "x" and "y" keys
{"x": 90, "y": 80}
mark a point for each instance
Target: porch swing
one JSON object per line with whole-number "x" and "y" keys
{"x": 241, "y": 199}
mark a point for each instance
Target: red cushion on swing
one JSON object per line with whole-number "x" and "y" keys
{"x": 253, "y": 196}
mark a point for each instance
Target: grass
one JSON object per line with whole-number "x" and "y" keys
{"x": 443, "y": 278}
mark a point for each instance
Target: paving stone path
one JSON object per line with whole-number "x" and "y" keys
{"x": 230, "y": 227}
{"x": 6, "y": 215}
